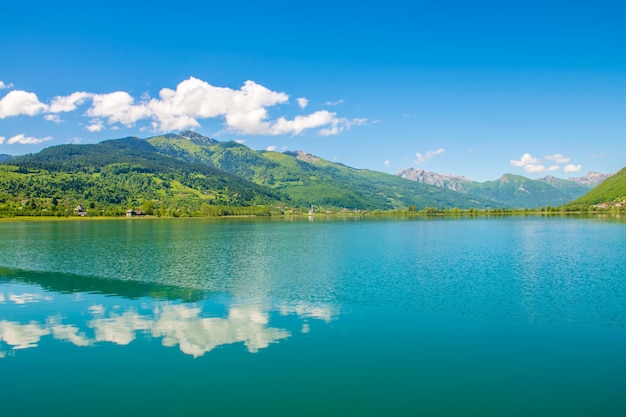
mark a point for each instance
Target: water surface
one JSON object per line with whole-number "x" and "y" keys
{"x": 508, "y": 316}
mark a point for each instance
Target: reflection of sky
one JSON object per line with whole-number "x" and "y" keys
{"x": 187, "y": 326}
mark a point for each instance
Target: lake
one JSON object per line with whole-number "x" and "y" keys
{"x": 511, "y": 316}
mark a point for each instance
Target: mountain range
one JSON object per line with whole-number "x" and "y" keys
{"x": 190, "y": 173}
{"x": 512, "y": 190}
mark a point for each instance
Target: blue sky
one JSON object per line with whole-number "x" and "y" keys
{"x": 477, "y": 88}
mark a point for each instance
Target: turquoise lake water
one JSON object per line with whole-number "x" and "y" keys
{"x": 445, "y": 317}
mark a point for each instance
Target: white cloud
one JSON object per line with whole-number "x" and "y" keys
{"x": 1, "y": 140}
{"x": 558, "y": 158}
{"x": 538, "y": 168}
{"x": 387, "y": 162}
{"x": 68, "y": 103}
{"x": 244, "y": 110}
{"x": 20, "y": 102}
{"x": 339, "y": 125}
{"x": 1, "y": 294}
{"x": 421, "y": 158}
{"x": 241, "y": 141}
{"x": 302, "y": 102}
{"x": 117, "y": 107}
{"x": 335, "y": 103}
{"x": 27, "y": 140}
{"x": 3, "y": 85}
{"x": 572, "y": 168}
{"x": 54, "y": 118}
{"x": 95, "y": 126}
{"x": 533, "y": 165}
{"x": 271, "y": 148}
{"x": 526, "y": 159}
{"x": 300, "y": 123}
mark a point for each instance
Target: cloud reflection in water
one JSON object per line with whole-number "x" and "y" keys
{"x": 177, "y": 324}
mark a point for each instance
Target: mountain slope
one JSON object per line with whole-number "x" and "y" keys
{"x": 121, "y": 173}
{"x": 613, "y": 189}
{"x": 5, "y": 157}
{"x": 310, "y": 180}
{"x": 510, "y": 190}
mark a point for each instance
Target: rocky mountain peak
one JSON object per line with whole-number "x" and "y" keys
{"x": 592, "y": 178}
{"x": 452, "y": 182}
{"x": 197, "y": 138}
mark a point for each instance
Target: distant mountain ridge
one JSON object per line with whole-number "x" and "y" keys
{"x": 452, "y": 182}
{"x": 592, "y": 178}
{"x": 511, "y": 190}
{"x": 5, "y": 157}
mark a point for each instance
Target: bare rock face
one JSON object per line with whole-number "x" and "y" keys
{"x": 592, "y": 178}
{"x": 452, "y": 182}
{"x": 303, "y": 156}
{"x": 197, "y": 138}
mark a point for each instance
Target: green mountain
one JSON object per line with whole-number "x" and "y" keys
{"x": 310, "y": 180}
{"x": 510, "y": 190}
{"x": 520, "y": 192}
{"x": 5, "y": 157}
{"x": 610, "y": 191}
{"x": 192, "y": 174}
{"x": 116, "y": 174}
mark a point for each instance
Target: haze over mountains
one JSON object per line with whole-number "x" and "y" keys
{"x": 192, "y": 171}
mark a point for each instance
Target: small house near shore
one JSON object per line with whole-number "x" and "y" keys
{"x": 80, "y": 211}
{"x": 134, "y": 213}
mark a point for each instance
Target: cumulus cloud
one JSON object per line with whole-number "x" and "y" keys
{"x": 26, "y": 140}
{"x": 271, "y": 148}
{"x": 534, "y": 165}
{"x": 538, "y": 168}
{"x": 572, "y": 168}
{"x": 2, "y": 140}
{"x": 68, "y": 103}
{"x": 96, "y": 125}
{"x": 558, "y": 158}
{"x": 421, "y": 158}
{"x": 20, "y": 102}
{"x": 243, "y": 110}
{"x": 387, "y": 162}
{"x": 117, "y": 107}
{"x": 54, "y": 118}
{"x": 302, "y": 102}
{"x": 301, "y": 123}
{"x": 526, "y": 159}
{"x": 3, "y": 85}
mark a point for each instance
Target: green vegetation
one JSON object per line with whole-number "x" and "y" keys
{"x": 110, "y": 177}
{"x": 611, "y": 193}
{"x": 306, "y": 179}
{"x": 192, "y": 175}
{"x": 521, "y": 192}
